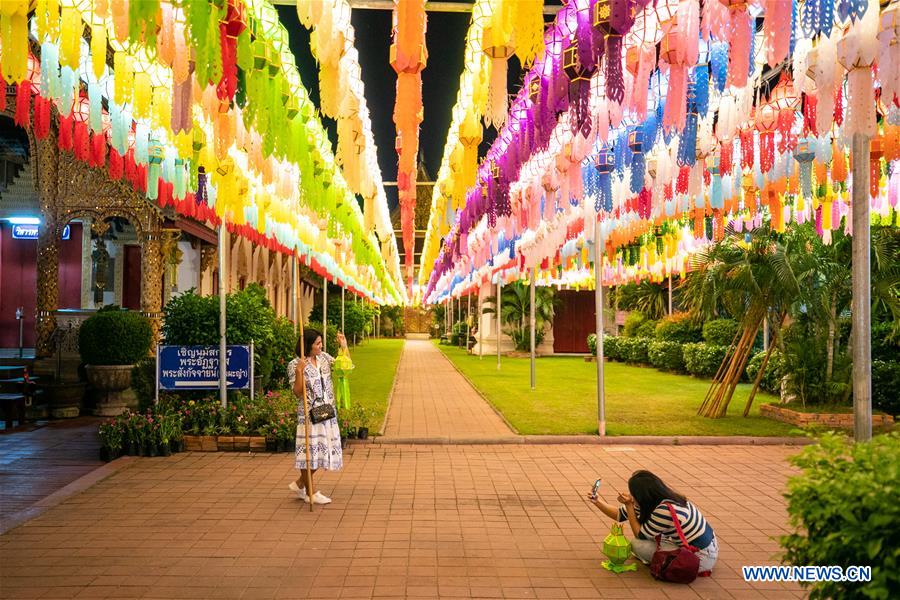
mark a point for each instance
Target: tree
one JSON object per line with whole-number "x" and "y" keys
{"x": 515, "y": 312}
{"x": 649, "y": 298}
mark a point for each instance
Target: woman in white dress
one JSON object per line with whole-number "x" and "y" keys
{"x": 325, "y": 437}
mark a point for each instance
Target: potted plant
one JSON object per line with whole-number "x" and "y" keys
{"x": 110, "y": 440}
{"x": 362, "y": 421}
{"x": 110, "y": 343}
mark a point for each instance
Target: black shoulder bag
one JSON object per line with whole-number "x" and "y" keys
{"x": 324, "y": 411}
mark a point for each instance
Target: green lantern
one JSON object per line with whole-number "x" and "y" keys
{"x": 341, "y": 369}
{"x": 617, "y": 549}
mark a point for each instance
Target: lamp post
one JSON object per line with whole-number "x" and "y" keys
{"x": 223, "y": 382}
{"x": 598, "y": 306}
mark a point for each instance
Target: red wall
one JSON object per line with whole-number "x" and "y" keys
{"x": 18, "y": 282}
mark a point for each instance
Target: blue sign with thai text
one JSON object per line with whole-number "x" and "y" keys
{"x": 30, "y": 232}
{"x": 197, "y": 367}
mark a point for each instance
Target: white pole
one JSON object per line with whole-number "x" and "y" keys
{"x": 480, "y": 327}
{"x": 861, "y": 334}
{"x": 155, "y": 374}
{"x": 223, "y": 382}
{"x": 531, "y": 322}
{"x": 252, "y": 370}
{"x": 324, "y": 314}
{"x": 598, "y": 306}
{"x": 468, "y": 318}
{"x": 497, "y": 306}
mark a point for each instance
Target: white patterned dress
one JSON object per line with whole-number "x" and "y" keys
{"x": 325, "y": 438}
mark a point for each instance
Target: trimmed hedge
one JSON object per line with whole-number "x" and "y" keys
{"x": 114, "y": 337}
{"x": 592, "y": 344}
{"x": 771, "y": 380}
{"x": 678, "y": 328}
{"x": 634, "y": 350}
{"x": 703, "y": 360}
{"x": 720, "y": 332}
{"x": 666, "y": 356}
{"x": 612, "y": 347}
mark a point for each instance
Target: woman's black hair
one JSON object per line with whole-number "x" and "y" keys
{"x": 649, "y": 491}
{"x": 309, "y": 338}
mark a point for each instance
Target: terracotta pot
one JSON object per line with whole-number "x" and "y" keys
{"x": 112, "y": 383}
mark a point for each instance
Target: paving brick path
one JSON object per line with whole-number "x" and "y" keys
{"x": 37, "y": 461}
{"x": 482, "y": 521}
{"x": 432, "y": 400}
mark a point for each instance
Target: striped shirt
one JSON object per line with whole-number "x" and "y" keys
{"x": 696, "y": 530}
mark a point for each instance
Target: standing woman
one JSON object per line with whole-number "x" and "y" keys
{"x": 325, "y": 437}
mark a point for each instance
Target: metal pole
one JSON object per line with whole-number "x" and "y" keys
{"x": 598, "y": 307}
{"x": 324, "y": 314}
{"x": 670, "y": 293}
{"x": 479, "y": 310}
{"x": 223, "y": 382}
{"x": 468, "y": 318}
{"x": 155, "y": 376}
{"x": 531, "y": 322}
{"x": 861, "y": 303}
{"x": 497, "y": 306}
{"x": 252, "y": 369}
{"x": 342, "y": 309}
{"x": 294, "y": 292}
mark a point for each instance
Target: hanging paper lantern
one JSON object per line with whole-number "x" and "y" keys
{"x": 497, "y": 45}
{"x": 857, "y": 51}
{"x": 579, "y": 75}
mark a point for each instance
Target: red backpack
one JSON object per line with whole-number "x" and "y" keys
{"x": 677, "y": 566}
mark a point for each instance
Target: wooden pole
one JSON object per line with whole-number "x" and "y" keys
{"x": 324, "y": 314}
{"x": 309, "y": 481}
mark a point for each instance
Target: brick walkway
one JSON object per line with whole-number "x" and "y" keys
{"x": 488, "y": 521}
{"x": 37, "y": 461}
{"x": 433, "y": 401}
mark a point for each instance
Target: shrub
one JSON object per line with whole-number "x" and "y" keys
{"x": 703, "y": 360}
{"x": 720, "y": 332}
{"x": 284, "y": 345}
{"x": 678, "y": 328}
{"x": 634, "y": 350}
{"x": 771, "y": 380}
{"x": 331, "y": 344}
{"x": 611, "y": 347}
{"x": 886, "y": 386}
{"x": 191, "y": 320}
{"x": 634, "y": 320}
{"x": 666, "y": 356}
{"x": 844, "y": 510}
{"x": 647, "y": 329}
{"x": 884, "y": 346}
{"x": 114, "y": 337}
{"x": 356, "y": 316}
{"x": 592, "y": 344}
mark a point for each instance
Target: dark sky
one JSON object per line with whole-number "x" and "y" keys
{"x": 445, "y": 39}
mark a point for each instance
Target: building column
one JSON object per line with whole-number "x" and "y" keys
{"x": 152, "y": 280}
{"x": 47, "y": 155}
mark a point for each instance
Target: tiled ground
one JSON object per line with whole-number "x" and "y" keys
{"x": 490, "y": 521}
{"x": 36, "y": 461}
{"x": 432, "y": 400}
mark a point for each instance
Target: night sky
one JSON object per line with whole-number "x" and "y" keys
{"x": 445, "y": 39}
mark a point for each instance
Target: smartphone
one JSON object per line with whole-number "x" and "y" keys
{"x": 595, "y": 489}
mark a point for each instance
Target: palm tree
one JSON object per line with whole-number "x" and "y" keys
{"x": 515, "y": 312}
{"x": 753, "y": 278}
{"x": 646, "y": 297}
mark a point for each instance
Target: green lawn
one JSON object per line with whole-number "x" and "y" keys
{"x": 371, "y": 381}
{"x": 639, "y": 400}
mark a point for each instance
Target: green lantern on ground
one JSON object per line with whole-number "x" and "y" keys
{"x": 617, "y": 549}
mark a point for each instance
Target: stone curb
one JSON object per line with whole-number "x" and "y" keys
{"x": 61, "y": 495}
{"x": 618, "y": 440}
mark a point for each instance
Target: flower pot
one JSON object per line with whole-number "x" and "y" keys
{"x": 165, "y": 449}
{"x": 363, "y": 433}
{"x": 209, "y": 443}
{"x": 279, "y": 445}
{"x": 112, "y": 384}
{"x": 151, "y": 449}
{"x": 271, "y": 444}
{"x": 105, "y": 454}
{"x": 179, "y": 445}
{"x": 257, "y": 443}
{"x": 225, "y": 442}
{"x": 241, "y": 443}
{"x": 131, "y": 449}
{"x": 192, "y": 443}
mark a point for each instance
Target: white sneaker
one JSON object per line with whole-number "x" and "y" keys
{"x": 320, "y": 498}
{"x": 301, "y": 492}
